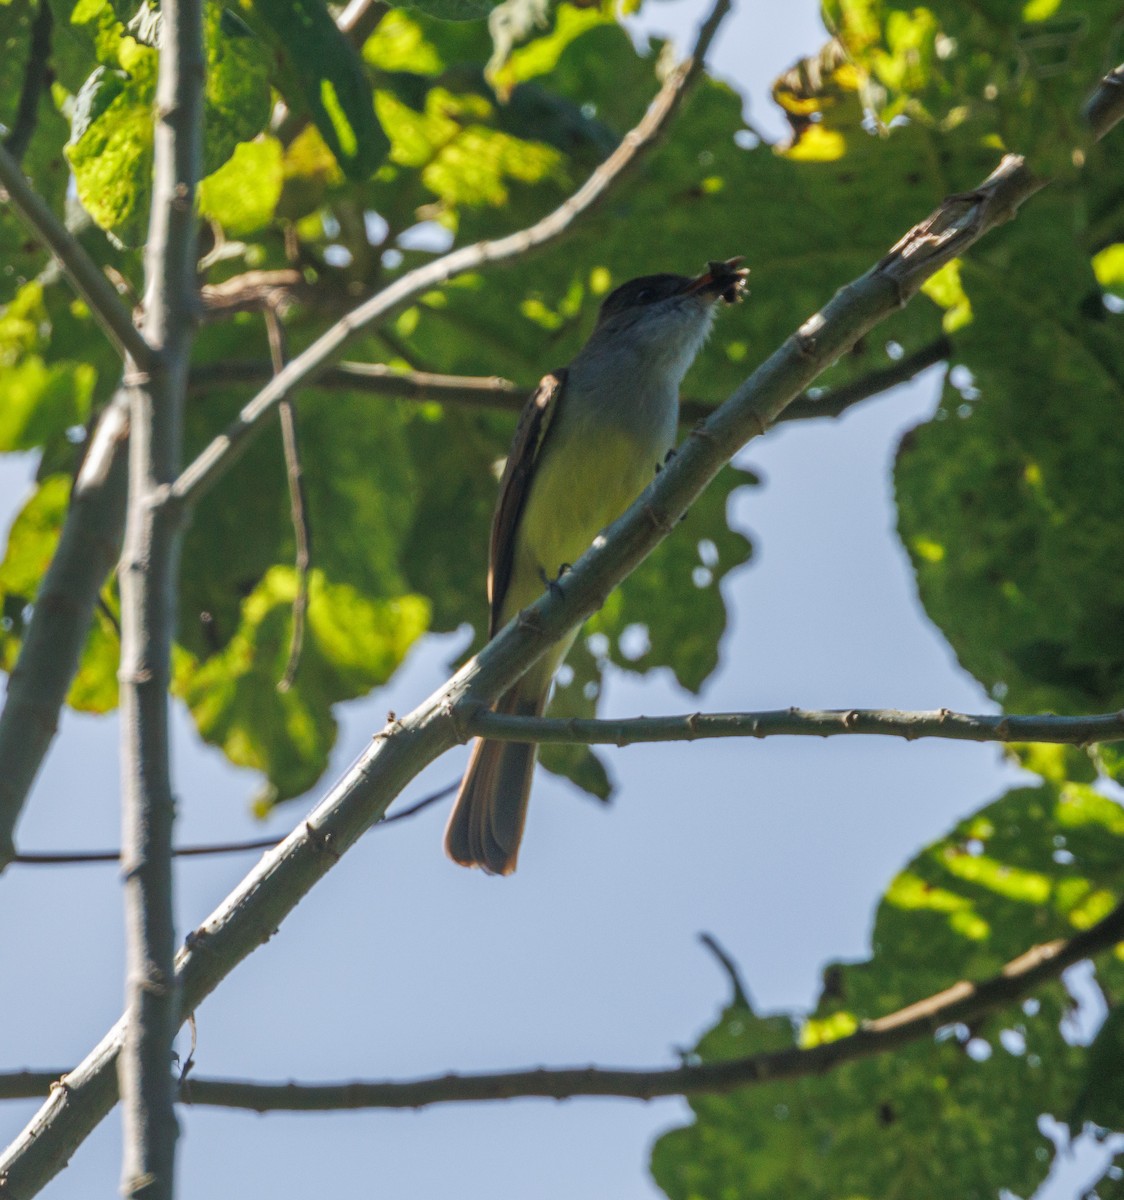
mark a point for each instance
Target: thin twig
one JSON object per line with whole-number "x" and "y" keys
{"x": 377, "y": 379}
{"x": 224, "y": 450}
{"x": 963, "y": 1002}
{"x": 493, "y": 392}
{"x": 84, "y": 274}
{"x": 406, "y": 745}
{"x": 729, "y": 969}
{"x": 795, "y": 722}
{"x": 70, "y": 858}
{"x": 298, "y": 504}
{"x": 786, "y": 722}
{"x": 36, "y": 79}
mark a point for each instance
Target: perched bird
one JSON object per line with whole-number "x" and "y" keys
{"x": 588, "y": 442}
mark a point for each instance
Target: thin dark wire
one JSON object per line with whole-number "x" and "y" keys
{"x": 71, "y": 858}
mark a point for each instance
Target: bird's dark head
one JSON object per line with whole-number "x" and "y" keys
{"x": 663, "y": 320}
{"x": 720, "y": 279}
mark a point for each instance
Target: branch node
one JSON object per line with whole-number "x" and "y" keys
{"x": 321, "y": 842}
{"x": 461, "y": 714}
{"x": 659, "y": 519}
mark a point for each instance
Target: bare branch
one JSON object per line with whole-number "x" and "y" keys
{"x": 256, "y": 908}
{"x": 254, "y": 291}
{"x": 221, "y": 454}
{"x": 87, "y": 857}
{"x": 149, "y": 574}
{"x": 84, "y": 274}
{"x": 492, "y": 392}
{"x": 786, "y": 722}
{"x": 36, "y": 79}
{"x": 962, "y": 1002}
{"x": 796, "y": 722}
{"x": 52, "y": 644}
{"x": 471, "y": 391}
{"x": 298, "y": 504}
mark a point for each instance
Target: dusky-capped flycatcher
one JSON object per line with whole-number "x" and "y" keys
{"x": 589, "y": 441}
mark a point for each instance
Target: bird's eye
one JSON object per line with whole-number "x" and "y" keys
{"x": 645, "y": 295}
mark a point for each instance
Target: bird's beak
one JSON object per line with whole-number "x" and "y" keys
{"x": 725, "y": 279}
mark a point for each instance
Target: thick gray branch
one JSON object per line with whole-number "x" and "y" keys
{"x": 149, "y": 573}
{"x": 255, "y": 909}
{"x": 53, "y": 642}
{"x": 795, "y": 722}
{"x": 963, "y": 1002}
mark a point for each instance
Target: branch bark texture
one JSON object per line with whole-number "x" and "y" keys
{"x": 795, "y": 722}
{"x": 52, "y": 646}
{"x": 149, "y": 572}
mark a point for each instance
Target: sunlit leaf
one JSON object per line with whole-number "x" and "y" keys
{"x": 351, "y": 644}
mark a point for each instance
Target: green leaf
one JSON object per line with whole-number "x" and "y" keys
{"x": 1102, "y": 1098}
{"x": 324, "y": 75}
{"x": 461, "y": 160}
{"x": 351, "y": 644}
{"x": 1008, "y": 499}
{"x": 969, "y": 1099}
{"x": 455, "y": 10}
{"x": 110, "y": 149}
{"x": 32, "y": 539}
{"x": 643, "y": 628}
{"x": 237, "y": 91}
{"x": 21, "y": 255}
{"x": 1020, "y": 71}
{"x": 242, "y": 195}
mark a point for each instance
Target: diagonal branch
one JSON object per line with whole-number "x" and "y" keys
{"x": 252, "y": 913}
{"x": 964, "y": 1002}
{"x": 84, "y": 274}
{"x": 222, "y": 453}
{"x": 795, "y": 722}
{"x": 61, "y": 615}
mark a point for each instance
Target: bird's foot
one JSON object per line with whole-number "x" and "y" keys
{"x": 554, "y": 586}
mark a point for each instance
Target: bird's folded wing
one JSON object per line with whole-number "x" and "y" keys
{"x": 518, "y": 473}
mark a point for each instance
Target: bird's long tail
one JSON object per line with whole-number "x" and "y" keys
{"x": 486, "y": 824}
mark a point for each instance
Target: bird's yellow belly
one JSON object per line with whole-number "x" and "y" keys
{"x": 568, "y": 507}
